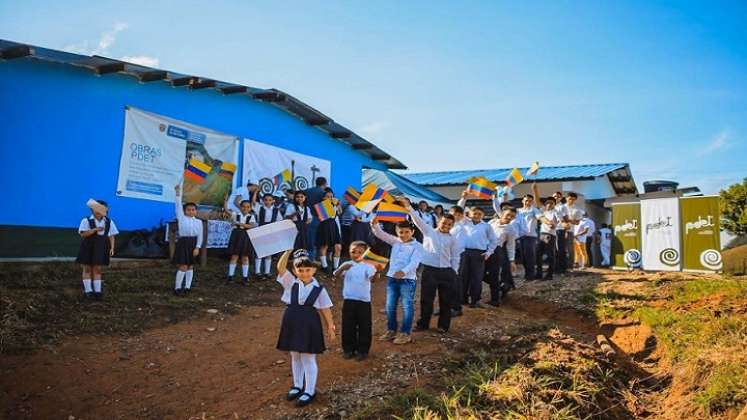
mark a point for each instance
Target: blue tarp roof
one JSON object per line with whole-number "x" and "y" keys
{"x": 618, "y": 174}
{"x": 546, "y": 173}
{"x": 399, "y": 185}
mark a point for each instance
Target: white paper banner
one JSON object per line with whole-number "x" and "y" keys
{"x": 660, "y": 236}
{"x": 273, "y": 238}
{"x": 274, "y": 168}
{"x": 155, "y": 153}
{"x": 218, "y": 234}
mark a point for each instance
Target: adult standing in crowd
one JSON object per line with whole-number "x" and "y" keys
{"x": 574, "y": 214}
{"x": 314, "y": 196}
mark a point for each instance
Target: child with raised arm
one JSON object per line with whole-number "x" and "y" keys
{"x": 239, "y": 244}
{"x": 401, "y": 279}
{"x": 188, "y": 245}
{"x": 96, "y": 248}
{"x": 301, "y": 329}
{"x": 441, "y": 251}
{"x": 356, "y": 306}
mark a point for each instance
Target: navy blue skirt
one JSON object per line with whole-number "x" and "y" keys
{"x": 302, "y": 239}
{"x": 301, "y": 329}
{"x": 240, "y": 244}
{"x": 184, "y": 248}
{"x": 94, "y": 250}
{"x": 360, "y": 231}
{"x": 328, "y": 234}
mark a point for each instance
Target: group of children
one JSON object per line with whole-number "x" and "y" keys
{"x": 451, "y": 255}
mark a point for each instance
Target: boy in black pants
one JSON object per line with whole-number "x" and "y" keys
{"x": 356, "y": 307}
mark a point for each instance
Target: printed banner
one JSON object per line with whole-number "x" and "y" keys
{"x": 626, "y": 242}
{"x": 660, "y": 221}
{"x": 273, "y": 168}
{"x": 159, "y": 152}
{"x": 701, "y": 239}
{"x": 273, "y": 238}
{"x": 218, "y": 233}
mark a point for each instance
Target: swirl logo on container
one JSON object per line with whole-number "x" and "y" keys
{"x": 669, "y": 256}
{"x": 710, "y": 258}
{"x": 632, "y": 258}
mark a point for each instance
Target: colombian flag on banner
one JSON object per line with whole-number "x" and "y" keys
{"x": 282, "y": 177}
{"x": 514, "y": 178}
{"x": 481, "y": 187}
{"x": 351, "y": 195}
{"x": 391, "y": 213}
{"x": 376, "y": 260}
{"x": 325, "y": 210}
{"x": 370, "y": 197}
{"x": 197, "y": 171}
{"x": 227, "y": 170}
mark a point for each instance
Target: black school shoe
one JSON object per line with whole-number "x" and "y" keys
{"x": 293, "y": 393}
{"x": 456, "y": 312}
{"x": 495, "y": 303}
{"x": 88, "y": 295}
{"x": 348, "y": 355}
{"x": 178, "y": 292}
{"x": 361, "y": 357}
{"x": 303, "y": 402}
{"x": 229, "y": 279}
{"x": 245, "y": 281}
{"x": 420, "y": 328}
{"x": 97, "y": 295}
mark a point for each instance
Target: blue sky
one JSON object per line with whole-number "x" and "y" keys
{"x": 460, "y": 85}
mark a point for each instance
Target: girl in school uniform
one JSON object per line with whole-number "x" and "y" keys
{"x": 328, "y": 233}
{"x": 266, "y": 213}
{"x": 300, "y": 214}
{"x": 188, "y": 245}
{"x": 96, "y": 248}
{"x": 360, "y": 230}
{"x": 301, "y": 330}
{"x": 239, "y": 244}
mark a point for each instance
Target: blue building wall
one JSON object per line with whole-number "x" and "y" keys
{"x": 61, "y": 131}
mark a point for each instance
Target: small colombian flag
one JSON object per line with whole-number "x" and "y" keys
{"x": 197, "y": 171}
{"x": 370, "y": 197}
{"x": 351, "y": 195}
{"x": 391, "y": 213}
{"x": 282, "y": 177}
{"x": 481, "y": 187}
{"x": 227, "y": 170}
{"x": 325, "y": 210}
{"x": 514, "y": 178}
{"x": 376, "y": 260}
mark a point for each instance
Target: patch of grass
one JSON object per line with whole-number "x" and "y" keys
{"x": 725, "y": 388}
{"x": 558, "y": 378}
{"x": 39, "y": 305}
{"x": 609, "y": 305}
{"x": 699, "y": 289}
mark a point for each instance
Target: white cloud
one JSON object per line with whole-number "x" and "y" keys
{"x": 101, "y": 46}
{"x": 717, "y": 142}
{"x": 373, "y": 129}
{"x": 142, "y": 60}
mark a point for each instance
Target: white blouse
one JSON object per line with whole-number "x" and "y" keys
{"x": 287, "y": 280}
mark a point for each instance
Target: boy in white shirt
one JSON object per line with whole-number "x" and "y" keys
{"x": 356, "y": 306}
{"x": 500, "y": 265}
{"x": 401, "y": 279}
{"x": 530, "y": 213}
{"x": 549, "y": 221}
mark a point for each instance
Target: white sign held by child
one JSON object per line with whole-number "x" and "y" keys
{"x": 273, "y": 238}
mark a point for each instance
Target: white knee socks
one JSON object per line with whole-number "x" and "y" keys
{"x": 87, "y": 286}
{"x": 97, "y": 285}
{"x": 310, "y": 372}
{"x": 231, "y": 269}
{"x": 268, "y": 263}
{"x": 323, "y": 258}
{"x": 179, "y": 279}
{"x": 189, "y": 276}
{"x": 257, "y": 266}
{"x": 245, "y": 270}
{"x": 304, "y": 368}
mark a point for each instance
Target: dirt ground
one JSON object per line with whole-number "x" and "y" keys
{"x": 226, "y": 366}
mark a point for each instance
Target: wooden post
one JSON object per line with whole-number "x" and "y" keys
{"x": 203, "y": 250}
{"x": 173, "y": 226}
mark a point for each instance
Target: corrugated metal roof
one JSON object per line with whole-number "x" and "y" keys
{"x": 103, "y": 65}
{"x": 399, "y": 185}
{"x": 618, "y": 173}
